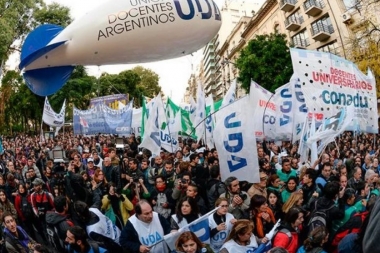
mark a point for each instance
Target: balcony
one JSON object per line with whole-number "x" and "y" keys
{"x": 321, "y": 32}
{"x": 293, "y": 23}
{"x": 288, "y": 5}
{"x": 301, "y": 43}
{"x": 313, "y": 7}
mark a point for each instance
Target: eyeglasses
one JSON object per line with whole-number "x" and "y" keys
{"x": 263, "y": 178}
{"x": 223, "y": 206}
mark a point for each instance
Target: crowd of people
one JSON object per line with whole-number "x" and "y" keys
{"x": 102, "y": 199}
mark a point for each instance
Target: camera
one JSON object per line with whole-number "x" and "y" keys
{"x": 242, "y": 196}
{"x": 135, "y": 179}
{"x": 183, "y": 181}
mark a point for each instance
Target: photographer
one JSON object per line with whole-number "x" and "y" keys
{"x": 239, "y": 201}
{"x": 135, "y": 190}
{"x": 180, "y": 186}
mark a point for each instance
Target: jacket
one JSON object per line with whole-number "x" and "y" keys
{"x": 23, "y": 244}
{"x": 61, "y": 222}
{"x": 124, "y": 204}
{"x": 287, "y": 238}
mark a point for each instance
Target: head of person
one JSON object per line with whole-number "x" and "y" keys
{"x": 274, "y": 181}
{"x": 37, "y": 184}
{"x": 273, "y": 197}
{"x": 82, "y": 211}
{"x": 241, "y": 231}
{"x": 309, "y": 177}
{"x": 357, "y": 173}
{"x": 258, "y": 204}
{"x": 187, "y": 206}
{"x": 160, "y": 183}
{"x": 349, "y": 196}
{"x": 232, "y": 184}
{"x": 331, "y": 190}
{"x": 9, "y": 222}
{"x": 286, "y": 165}
{"x": 192, "y": 190}
{"x": 214, "y": 171}
{"x": 39, "y": 248}
{"x": 144, "y": 211}
{"x": 325, "y": 158}
{"x": 263, "y": 180}
{"x": 144, "y": 163}
{"x": 185, "y": 179}
{"x": 343, "y": 181}
{"x": 264, "y": 164}
{"x": 278, "y": 250}
{"x": 188, "y": 242}
{"x": 294, "y": 217}
{"x": 371, "y": 176}
{"x": 194, "y": 158}
{"x": 99, "y": 176}
{"x": 21, "y": 189}
{"x": 107, "y": 161}
{"x": 158, "y": 161}
{"x": 294, "y": 163}
{"x": 112, "y": 153}
{"x": 133, "y": 164}
{"x": 61, "y": 205}
{"x": 76, "y": 237}
{"x": 169, "y": 167}
{"x": 260, "y": 152}
{"x": 291, "y": 184}
{"x": 326, "y": 170}
{"x": 295, "y": 199}
{"x": 342, "y": 170}
{"x": 222, "y": 203}
{"x": 90, "y": 163}
{"x": 316, "y": 238}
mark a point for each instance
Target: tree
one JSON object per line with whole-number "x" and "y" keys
{"x": 266, "y": 60}
{"x": 53, "y": 14}
{"x": 148, "y": 83}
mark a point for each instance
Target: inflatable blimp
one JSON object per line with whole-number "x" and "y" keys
{"x": 117, "y": 32}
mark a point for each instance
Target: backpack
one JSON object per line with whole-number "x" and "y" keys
{"x": 53, "y": 237}
{"x": 318, "y": 217}
{"x": 26, "y": 208}
{"x": 287, "y": 232}
{"x": 215, "y": 191}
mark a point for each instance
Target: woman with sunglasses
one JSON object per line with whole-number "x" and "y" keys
{"x": 220, "y": 223}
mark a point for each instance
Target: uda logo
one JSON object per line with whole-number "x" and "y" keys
{"x": 206, "y": 13}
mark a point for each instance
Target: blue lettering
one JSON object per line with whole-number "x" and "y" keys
{"x": 240, "y": 163}
{"x": 286, "y": 107}
{"x": 285, "y": 93}
{"x": 180, "y": 12}
{"x": 201, "y": 230}
{"x": 343, "y": 99}
{"x": 234, "y": 137}
{"x": 152, "y": 239}
{"x": 284, "y": 120}
{"x": 269, "y": 119}
{"x": 206, "y": 15}
{"x": 158, "y": 237}
{"x": 227, "y": 124}
{"x": 155, "y": 136}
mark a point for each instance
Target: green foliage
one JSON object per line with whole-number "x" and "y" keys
{"x": 266, "y": 60}
{"x": 53, "y": 14}
{"x": 148, "y": 83}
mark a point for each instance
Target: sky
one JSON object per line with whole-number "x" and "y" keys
{"x": 174, "y": 74}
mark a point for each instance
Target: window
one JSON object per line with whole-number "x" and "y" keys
{"x": 296, "y": 17}
{"x": 322, "y": 25}
{"x": 301, "y": 39}
{"x": 332, "y": 47}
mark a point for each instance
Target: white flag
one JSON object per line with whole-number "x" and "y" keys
{"x": 300, "y": 109}
{"x": 136, "y": 120}
{"x": 152, "y": 140}
{"x": 235, "y": 142}
{"x": 230, "y": 95}
{"x": 50, "y": 117}
{"x": 264, "y": 114}
{"x": 283, "y": 98}
{"x": 200, "y": 113}
{"x": 210, "y": 123}
{"x": 192, "y": 109}
{"x": 200, "y": 227}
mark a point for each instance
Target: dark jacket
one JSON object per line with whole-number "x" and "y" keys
{"x": 335, "y": 213}
{"x": 61, "y": 222}
{"x": 129, "y": 239}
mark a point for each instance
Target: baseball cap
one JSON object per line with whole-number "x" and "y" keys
{"x": 90, "y": 160}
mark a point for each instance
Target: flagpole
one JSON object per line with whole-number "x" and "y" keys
{"x": 167, "y": 124}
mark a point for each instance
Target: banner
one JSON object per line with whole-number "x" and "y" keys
{"x": 283, "y": 98}
{"x": 104, "y": 120}
{"x": 200, "y": 227}
{"x": 235, "y": 142}
{"x": 136, "y": 121}
{"x": 50, "y": 117}
{"x": 331, "y": 83}
{"x": 264, "y": 113}
{"x": 332, "y": 127}
{"x": 300, "y": 109}
{"x": 112, "y": 101}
